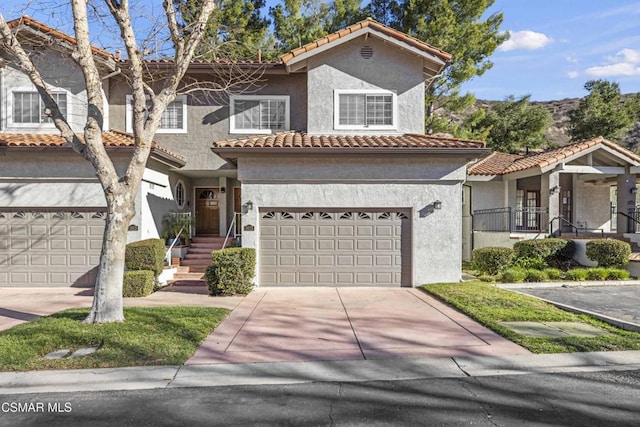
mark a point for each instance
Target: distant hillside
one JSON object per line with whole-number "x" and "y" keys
{"x": 558, "y": 132}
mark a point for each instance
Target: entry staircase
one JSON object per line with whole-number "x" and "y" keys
{"x": 198, "y": 257}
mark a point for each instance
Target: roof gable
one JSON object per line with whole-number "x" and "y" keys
{"x": 502, "y": 163}
{"x": 434, "y": 59}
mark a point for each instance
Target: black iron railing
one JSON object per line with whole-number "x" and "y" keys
{"x": 511, "y": 219}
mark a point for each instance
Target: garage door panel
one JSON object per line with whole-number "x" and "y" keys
{"x": 334, "y": 247}
{"x": 48, "y": 248}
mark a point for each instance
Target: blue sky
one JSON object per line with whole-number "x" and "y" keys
{"x": 556, "y": 45}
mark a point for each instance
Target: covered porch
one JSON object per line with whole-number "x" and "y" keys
{"x": 581, "y": 190}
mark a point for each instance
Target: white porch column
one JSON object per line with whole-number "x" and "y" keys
{"x": 223, "y": 205}
{"x": 626, "y": 199}
{"x": 549, "y": 195}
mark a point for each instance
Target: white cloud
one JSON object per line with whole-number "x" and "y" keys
{"x": 529, "y": 40}
{"x": 625, "y": 63}
{"x": 573, "y": 59}
{"x": 572, "y": 74}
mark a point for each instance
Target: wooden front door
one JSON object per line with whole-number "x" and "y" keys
{"x": 237, "y": 200}
{"x": 208, "y": 211}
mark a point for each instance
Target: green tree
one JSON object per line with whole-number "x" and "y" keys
{"x": 343, "y": 13}
{"x": 514, "y": 124}
{"x": 236, "y": 30}
{"x": 298, "y": 22}
{"x": 603, "y": 112}
{"x": 455, "y": 26}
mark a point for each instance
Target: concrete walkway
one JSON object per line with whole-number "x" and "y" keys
{"x": 312, "y": 324}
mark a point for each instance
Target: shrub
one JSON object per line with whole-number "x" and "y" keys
{"x": 617, "y": 274}
{"x": 608, "y": 252}
{"x": 138, "y": 283}
{"x": 487, "y": 278}
{"x": 231, "y": 271}
{"x": 534, "y": 275}
{"x": 492, "y": 259}
{"x": 528, "y": 263}
{"x": 145, "y": 255}
{"x": 598, "y": 273}
{"x": 553, "y": 273}
{"x": 577, "y": 274}
{"x": 555, "y": 252}
{"x": 514, "y": 275}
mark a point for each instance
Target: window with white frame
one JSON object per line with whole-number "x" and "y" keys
{"x": 174, "y": 117}
{"x": 368, "y": 109}
{"x": 28, "y": 108}
{"x": 259, "y": 114}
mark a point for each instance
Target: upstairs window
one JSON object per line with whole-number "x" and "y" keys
{"x": 174, "y": 117}
{"x": 259, "y": 114}
{"x": 28, "y": 107}
{"x": 372, "y": 110}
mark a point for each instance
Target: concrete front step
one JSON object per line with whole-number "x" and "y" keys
{"x": 188, "y": 276}
{"x": 198, "y": 255}
{"x": 188, "y": 282}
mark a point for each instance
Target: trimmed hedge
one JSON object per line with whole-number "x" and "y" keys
{"x": 555, "y": 252}
{"x": 609, "y": 252}
{"x": 553, "y": 273}
{"x": 145, "y": 255}
{"x": 231, "y": 271}
{"x": 577, "y": 275}
{"x": 534, "y": 275}
{"x": 514, "y": 275}
{"x": 492, "y": 259}
{"x": 138, "y": 283}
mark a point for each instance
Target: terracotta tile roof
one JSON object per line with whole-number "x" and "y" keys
{"x": 302, "y": 140}
{"x": 111, "y": 139}
{"x": 501, "y": 163}
{"x": 43, "y": 28}
{"x": 374, "y": 25}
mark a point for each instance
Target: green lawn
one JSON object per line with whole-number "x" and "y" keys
{"x": 489, "y": 305}
{"x": 149, "y": 336}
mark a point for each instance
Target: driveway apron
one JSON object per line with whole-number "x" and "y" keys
{"x": 311, "y": 324}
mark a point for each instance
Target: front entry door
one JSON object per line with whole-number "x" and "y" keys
{"x": 208, "y": 211}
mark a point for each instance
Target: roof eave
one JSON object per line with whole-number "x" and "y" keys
{"x": 235, "y": 152}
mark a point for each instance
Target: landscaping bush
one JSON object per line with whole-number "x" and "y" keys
{"x": 534, "y": 275}
{"x": 528, "y": 263}
{"x": 487, "y": 278}
{"x": 145, "y": 255}
{"x": 577, "y": 275}
{"x": 492, "y": 259}
{"x": 617, "y": 274}
{"x": 138, "y": 283}
{"x": 555, "y": 252}
{"x": 553, "y": 273}
{"x": 598, "y": 273}
{"x": 514, "y": 275}
{"x": 609, "y": 252}
{"x": 231, "y": 271}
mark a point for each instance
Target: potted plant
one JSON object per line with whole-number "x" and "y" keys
{"x": 174, "y": 223}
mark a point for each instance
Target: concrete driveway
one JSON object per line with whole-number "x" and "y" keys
{"x": 311, "y": 324}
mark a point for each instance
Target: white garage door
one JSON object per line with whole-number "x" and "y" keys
{"x": 331, "y": 247}
{"x": 50, "y": 248}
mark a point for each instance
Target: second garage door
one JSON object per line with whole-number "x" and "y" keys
{"x": 331, "y": 247}
{"x": 42, "y": 247}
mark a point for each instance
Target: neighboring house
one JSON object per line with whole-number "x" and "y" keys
{"x": 583, "y": 188}
{"x": 322, "y": 165}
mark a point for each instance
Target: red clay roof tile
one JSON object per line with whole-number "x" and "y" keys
{"x": 303, "y": 140}
{"x": 109, "y": 139}
{"x": 388, "y": 31}
{"x": 502, "y": 163}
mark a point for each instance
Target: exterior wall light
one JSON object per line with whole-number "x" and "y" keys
{"x": 223, "y": 190}
{"x": 437, "y": 205}
{"x": 634, "y": 190}
{"x": 249, "y": 205}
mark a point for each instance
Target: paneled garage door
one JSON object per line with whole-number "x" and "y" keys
{"x": 323, "y": 247}
{"x": 50, "y": 248}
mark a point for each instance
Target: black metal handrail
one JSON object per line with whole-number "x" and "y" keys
{"x": 510, "y": 219}
{"x": 632, "y": 223}
{"x": 577, "y": 229}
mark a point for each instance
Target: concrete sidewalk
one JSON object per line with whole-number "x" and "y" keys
{"x": 155, "y": 377}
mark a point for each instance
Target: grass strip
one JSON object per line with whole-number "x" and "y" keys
{"x": 489, "y": 305}
{"x": 149, "y": 336}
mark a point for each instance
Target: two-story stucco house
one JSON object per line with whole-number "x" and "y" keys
{"x": 323, "y": 166}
